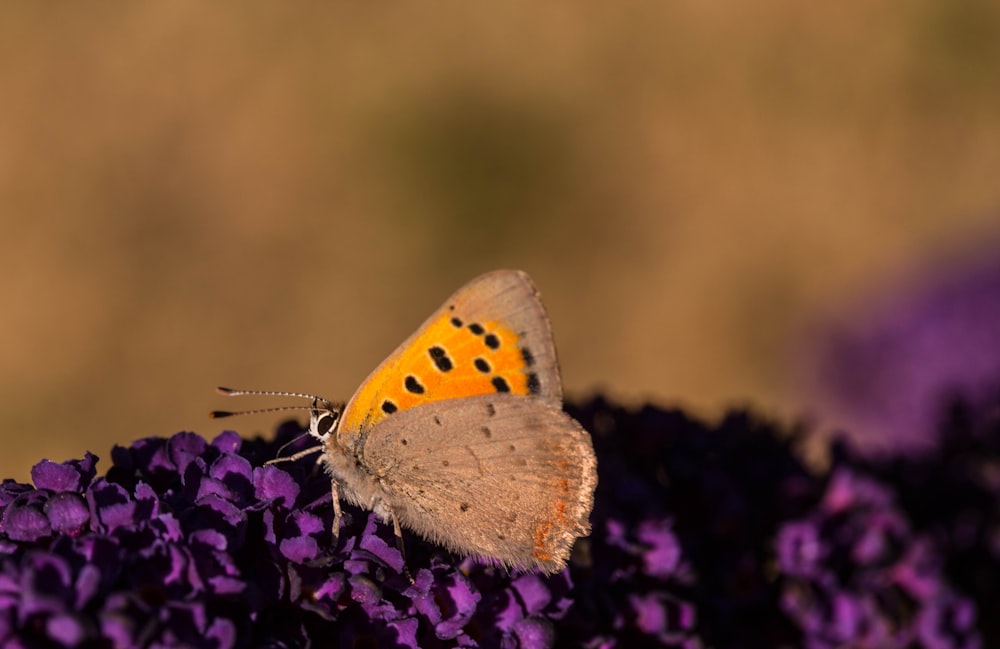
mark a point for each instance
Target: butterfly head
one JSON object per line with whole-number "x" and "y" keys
{"x": 324, "y": 416}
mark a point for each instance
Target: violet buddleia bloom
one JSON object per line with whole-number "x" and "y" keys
{"x": 683, "y": 523}
{"x": 888, "y": 372}
{"x": 186, "y": 542}
{"x": 856, "y": 575}
{"x": 953, "y": 497}
{"x": 703, "y": 536}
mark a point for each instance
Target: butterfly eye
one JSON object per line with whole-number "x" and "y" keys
{"x": 321, "y": 422}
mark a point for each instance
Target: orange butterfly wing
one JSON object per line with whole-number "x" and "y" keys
{"x": 492, "y": 336}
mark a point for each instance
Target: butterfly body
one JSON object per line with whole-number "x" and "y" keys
{"x": 460, "y": 436}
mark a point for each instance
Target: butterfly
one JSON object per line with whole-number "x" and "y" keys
{"x": 460, "y": 435}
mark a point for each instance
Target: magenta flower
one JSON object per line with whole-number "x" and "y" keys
{"x": 702, "y": 537}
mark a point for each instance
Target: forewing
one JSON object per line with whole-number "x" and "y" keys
{"x": 490, "y": 337}
{"x": 502, "y": 476}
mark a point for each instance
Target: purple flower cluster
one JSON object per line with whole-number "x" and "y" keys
{"x": 918, "y": 374}
{"x": 856, "y": 575}
{"x": 683, "y": 520}
{"x": 191, "y": 543}
{"x": 887, "y": 371}
{"x": 953, "y": 497}
{"x": 703, "y": 536}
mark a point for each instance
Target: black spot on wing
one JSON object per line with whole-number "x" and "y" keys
{"x": 441, "y": 359}
{"x": 492, "y": 341}
{"x": 482, "y": 365}
{"x": 529, "y": 358}
{"x": 534, "y": 385}
{"x": 456, "y": 322}
{"x": 476, "y": 329}
{"x": 500, "y": 383}
{"x": 388, "y": 407}
{"x": 413, "y": 385}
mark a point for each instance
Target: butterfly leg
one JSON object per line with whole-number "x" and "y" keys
{"x": 329, "y": 556}
{"x": 402, "y": 548}
{"x": 383, "y": 509}
{"x": 337, "y": 512}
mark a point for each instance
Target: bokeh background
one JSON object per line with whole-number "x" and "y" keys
{"x": 275, "y": 195}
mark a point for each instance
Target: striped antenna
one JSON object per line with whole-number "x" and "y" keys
{"x": 234, "y": 392}
{"x": 318, "y": 403}
{"x": 219, "y": 414}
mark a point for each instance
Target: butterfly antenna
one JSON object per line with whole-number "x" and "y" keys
{"x": 318, "y": 403}
{"x": 219, "y": 414}
{"x": 235, "y": 392}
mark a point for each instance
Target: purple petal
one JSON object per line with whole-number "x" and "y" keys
{"x": 458, "y": 602}
{"x": 387, "y": 554}
{"x": 535, "y": 633}
{"x": 25, "y": 523}
{"x": 223, "y": 633}
{"x": 87, "y": 584}
{"x": 919, "y": 572}
{"x": 212, "y": 487}
{"x": 364, "y": 590}
{"x": 424, "y": 600}
{"x": 194, "y": 473}
{"x": 65, "y": 629}
{"x": 147, "y": 502}
{"x": 651, "y": 618}
{"x": 799, "y": 548}
{"x": 68, "y": 513}
{"x": 533, "y": 592}
{"x": 110, "y": 505}
{"x": 664, "y": 554}
{"x": 55, "y": 477}
{"x": 406, "y": 631}
{"x": 332, "y": 587}
{"x": 308, "y": 523}
{"x": 223, "y": 585}
{"x": 273, "y": 484}
{"x": 848, "y": 489}
{"x": 614, "y": 534}
{"x": 148, "y": 455}
{"x": 299, "y": 549}
{"x": 213, "y": 507}
{"x": 883, "y": 532}
{"x": 168, "y": 528}
{"x": 98, "y": 550}
{"x": 237, "y": 474}
{"x": 184, "y": 448}
{"x": 46, "y": 586}
{"x": 11, "y": 490}
{"x": 211, "y": 538}
{"x": 358, "y": 566}
{"x": 228, "y": 441}
{"x": 506, "y": 611}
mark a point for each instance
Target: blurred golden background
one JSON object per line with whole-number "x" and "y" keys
{"x": 275, "y": 195}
